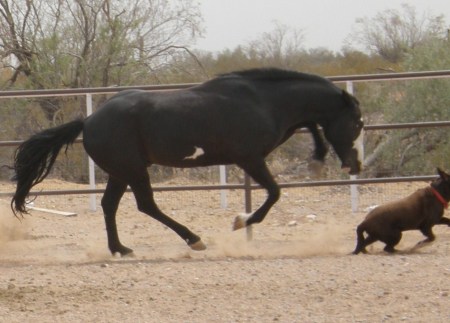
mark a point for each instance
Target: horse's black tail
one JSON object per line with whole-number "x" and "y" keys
{"x": 35, "y": 157}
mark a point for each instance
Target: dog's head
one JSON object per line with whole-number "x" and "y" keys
{"x": 442, "y": 184}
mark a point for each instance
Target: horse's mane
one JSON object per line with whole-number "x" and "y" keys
{"x": 271, "y": 74}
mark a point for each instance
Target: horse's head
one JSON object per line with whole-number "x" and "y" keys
{"x": 345, "y": 133}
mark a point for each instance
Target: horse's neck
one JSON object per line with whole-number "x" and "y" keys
{"x": 296, "y": 108}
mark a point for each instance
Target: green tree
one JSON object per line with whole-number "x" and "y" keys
{"x": 394, "y": 33}
{"x": 87, "y": 43}
{"x": 415, "y": 151}
{"x": 407, "y": 41}
{"x": 46, "y": 44}
{"x": 277, "y": 47}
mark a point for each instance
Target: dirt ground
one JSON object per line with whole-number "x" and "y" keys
{"x": 297, "y": 268}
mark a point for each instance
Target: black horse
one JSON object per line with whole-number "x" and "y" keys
{"x": 236, "y": 118}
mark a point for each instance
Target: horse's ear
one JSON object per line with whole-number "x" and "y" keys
{"x": 443, "y": 175}
{"x": 348, "y": 98}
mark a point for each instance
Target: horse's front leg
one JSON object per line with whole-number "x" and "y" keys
{"x": 146, "y": 204}
{"x": 320, "y": 148}
{"x": 261, "y": 174}
{"x": 315, "y": 166}
{"x": 110, "y": 202}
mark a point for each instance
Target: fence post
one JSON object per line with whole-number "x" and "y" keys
{"x": 247, "y": 193}
{"x": 223, "y": 181}
{"x": 354, "y": 196}
{"x": 92, "y": 197}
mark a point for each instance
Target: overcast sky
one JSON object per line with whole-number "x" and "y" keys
{"x": 325, "y": 23}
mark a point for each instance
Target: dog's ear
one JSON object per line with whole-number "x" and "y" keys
{"x": 443, "y": 175}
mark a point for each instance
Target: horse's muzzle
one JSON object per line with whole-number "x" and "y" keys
{"x": 352, "y": 164}
{"x": 352, "y": 168}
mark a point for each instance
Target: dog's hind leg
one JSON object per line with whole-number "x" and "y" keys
{"x": 362, "y": 242}
{"x": 360, "y": 246}
{"x": 369, "y": 240}
{"x": 391, "y": 241}
{"x": 390, "y": 249}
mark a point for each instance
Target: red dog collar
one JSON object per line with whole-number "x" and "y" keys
{"x": 439, "y": 197}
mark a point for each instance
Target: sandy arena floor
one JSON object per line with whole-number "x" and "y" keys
{"x": 57, "y": 268}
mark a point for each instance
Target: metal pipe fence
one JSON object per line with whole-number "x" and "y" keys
{"x": 247, "y": 186}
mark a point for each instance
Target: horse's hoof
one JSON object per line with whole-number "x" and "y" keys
{"x": 240, "y": 221}
{"x": 128, "y": 254}
{"x": 198, "y": 246}
{"x": 316, "y": 168}
{"x": 124, "y": 252}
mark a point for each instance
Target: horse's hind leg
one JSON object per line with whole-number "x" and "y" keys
{"x": 110, "y": 202}
{"x": 146, "y": 203}
{"x": 261, "y": 174}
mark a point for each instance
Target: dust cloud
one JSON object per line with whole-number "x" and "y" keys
{"x": 324, "y": 241}
{"x": 11, "y": 228}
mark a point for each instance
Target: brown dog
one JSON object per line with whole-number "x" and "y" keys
{"x": 418, "y": 211}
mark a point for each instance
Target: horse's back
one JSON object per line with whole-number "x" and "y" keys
{"x": 168, "y": 128}
{"x": 109, "y": 134}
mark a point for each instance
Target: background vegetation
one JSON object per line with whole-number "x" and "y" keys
{"x": 48, "y": 44}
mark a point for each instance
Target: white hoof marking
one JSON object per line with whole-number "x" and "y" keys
{"x": 241, "y": 221}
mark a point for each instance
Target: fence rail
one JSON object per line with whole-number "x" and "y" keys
{"x": 247, "y": 186}
{"x": 431, "y": 124}
{"x": 253, "y": 186}
{"x": 165, "y": 87}
{"x": 361, "y": 181}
